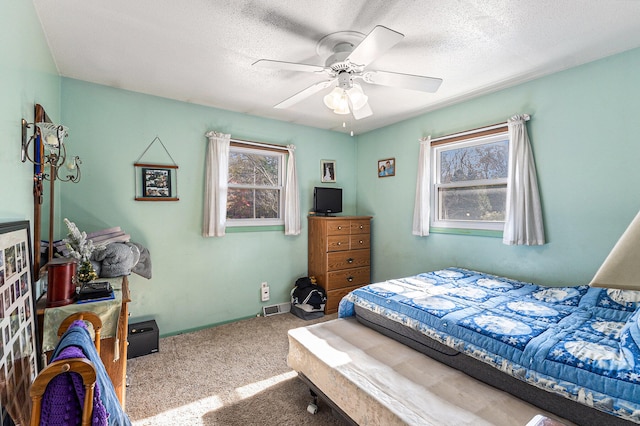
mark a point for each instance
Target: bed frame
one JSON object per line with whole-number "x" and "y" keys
{"x": 317, "y": 394}
{"x": 563, "y": 407}
{"x": 370, "y": 378}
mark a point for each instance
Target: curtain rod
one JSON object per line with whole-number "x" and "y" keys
{"x": 470, "y": 132}
{"x": 260, "y": 144}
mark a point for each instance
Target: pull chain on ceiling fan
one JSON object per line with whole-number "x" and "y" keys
{"x": 347, "y": 63}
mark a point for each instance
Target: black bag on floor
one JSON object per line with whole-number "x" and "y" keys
{"x": 307, "y": 293}
{"x": 306, "y": 312}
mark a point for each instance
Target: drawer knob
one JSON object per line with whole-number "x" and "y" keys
{"x": 350, "y": 260}
{"x": 339, "y": 228}
{"x": 350, "y": 279}
{"x": 361, "y": 242}
{"x": 339, "y": 243}
{"x": 361, "y": 226}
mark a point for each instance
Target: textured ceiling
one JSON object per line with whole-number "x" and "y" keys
{"x": 202, "y": 51}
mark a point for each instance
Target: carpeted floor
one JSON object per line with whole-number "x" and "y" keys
{"x": 233, "y": 374}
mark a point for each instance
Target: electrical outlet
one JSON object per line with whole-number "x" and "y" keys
{"x": 264, "y": 291}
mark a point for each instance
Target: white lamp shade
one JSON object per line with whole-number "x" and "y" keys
{"x": 343, "y": 107}
{"x": 340, "y": 100}
{"x": 357, "y": 97}
{"x": 52, "y": 135}
{"x": 621, "y": 269}
{"x": 332, "y": 100}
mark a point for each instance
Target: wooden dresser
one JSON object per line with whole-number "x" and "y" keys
{"x": 339, "y": 255}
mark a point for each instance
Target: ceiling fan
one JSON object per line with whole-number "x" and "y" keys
{"x": 348, "y": 54}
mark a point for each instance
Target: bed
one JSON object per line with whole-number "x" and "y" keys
{"x": 580, "y": 343}
{"x": 572, "y": 351}
{"x": 370, "y": 379}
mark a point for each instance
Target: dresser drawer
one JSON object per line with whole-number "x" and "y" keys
{"x": 360, "y": 242}
{"x": 347, "y": 259}
{"x": 334, "y": 297}
{"x": 339, "y": 227}
{"x": 348, "y": 278}
{"x": 360, "y": 226}
{"x": 339, "y": 243}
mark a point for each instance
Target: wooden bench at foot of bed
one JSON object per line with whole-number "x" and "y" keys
{"x": 377, "y": 381}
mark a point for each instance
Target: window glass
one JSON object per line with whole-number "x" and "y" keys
{"x": 473, "y": 203}
{"x": 255, "y": 192}
{"x": 470, "y": 183}
{"x": 474, "y": 162}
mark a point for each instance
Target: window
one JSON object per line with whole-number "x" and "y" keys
{"x": 255, "y": 193}
{"x": 470, "y": 182}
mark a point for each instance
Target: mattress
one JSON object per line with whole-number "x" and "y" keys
{"x": 376, "y": 380}
{"x": 577, "y": 342}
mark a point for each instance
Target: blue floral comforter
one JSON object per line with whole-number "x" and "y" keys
{"x": 580, "y": 342}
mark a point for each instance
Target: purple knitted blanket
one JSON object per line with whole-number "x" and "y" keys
{"x": 63, "y": 399}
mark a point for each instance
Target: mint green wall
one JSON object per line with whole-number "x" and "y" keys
{"x": 584, "y": 132}
{"x": 196, "y": 281}
{"x": 27, "y": 76}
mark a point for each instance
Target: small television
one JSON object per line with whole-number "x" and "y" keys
{"x": 327, "y": 201}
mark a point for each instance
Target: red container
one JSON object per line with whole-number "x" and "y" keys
{"x": 61, "y": 287}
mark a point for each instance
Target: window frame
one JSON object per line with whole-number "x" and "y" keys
{"x": 257, "y": 222}
{"x": 464, "y": 141}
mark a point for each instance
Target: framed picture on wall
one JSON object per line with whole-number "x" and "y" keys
{"x": 18, "y": 342}
{"x": 387, "y": 167}
{"x": 156, "y": 182}
{"x": 328, "y": 171}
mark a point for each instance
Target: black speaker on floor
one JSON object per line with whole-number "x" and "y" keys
{"x": 143, "y": 339}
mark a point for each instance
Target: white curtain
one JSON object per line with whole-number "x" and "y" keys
{"x": 216, "y": 184}
{"x": 523, "y": 222}
{"x": 422, "y": 208}
{"x": 291, "y": 196}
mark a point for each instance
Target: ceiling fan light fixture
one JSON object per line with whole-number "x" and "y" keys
{"x": 343, "y": 107}
{"x": 338, "y": 101}
{"x": 342, "y": 101}
{"x": 332, "y": 100}
{"x": 357, "y": 97}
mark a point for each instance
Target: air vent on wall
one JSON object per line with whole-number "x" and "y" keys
{"x": 280, "y": 308}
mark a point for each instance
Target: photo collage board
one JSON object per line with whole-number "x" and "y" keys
{"x": 18, "y": 352}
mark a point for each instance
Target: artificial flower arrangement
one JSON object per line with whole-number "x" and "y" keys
{"x": 81, "y": 248}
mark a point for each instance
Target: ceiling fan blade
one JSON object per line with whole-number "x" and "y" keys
{"x": 363, "y": 112}
{"x": 291, "y": 66}
{"x": 303, "y": 94}
{"x": 378, "y": 41}
{"x": 405, "y": 81}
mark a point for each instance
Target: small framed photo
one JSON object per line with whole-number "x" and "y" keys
{"x": 328, "y": 171}
{"x": 156, "y": 182}
{"x": 387, "y": 167}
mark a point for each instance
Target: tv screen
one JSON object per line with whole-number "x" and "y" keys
{"x": 327, "y": 200}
